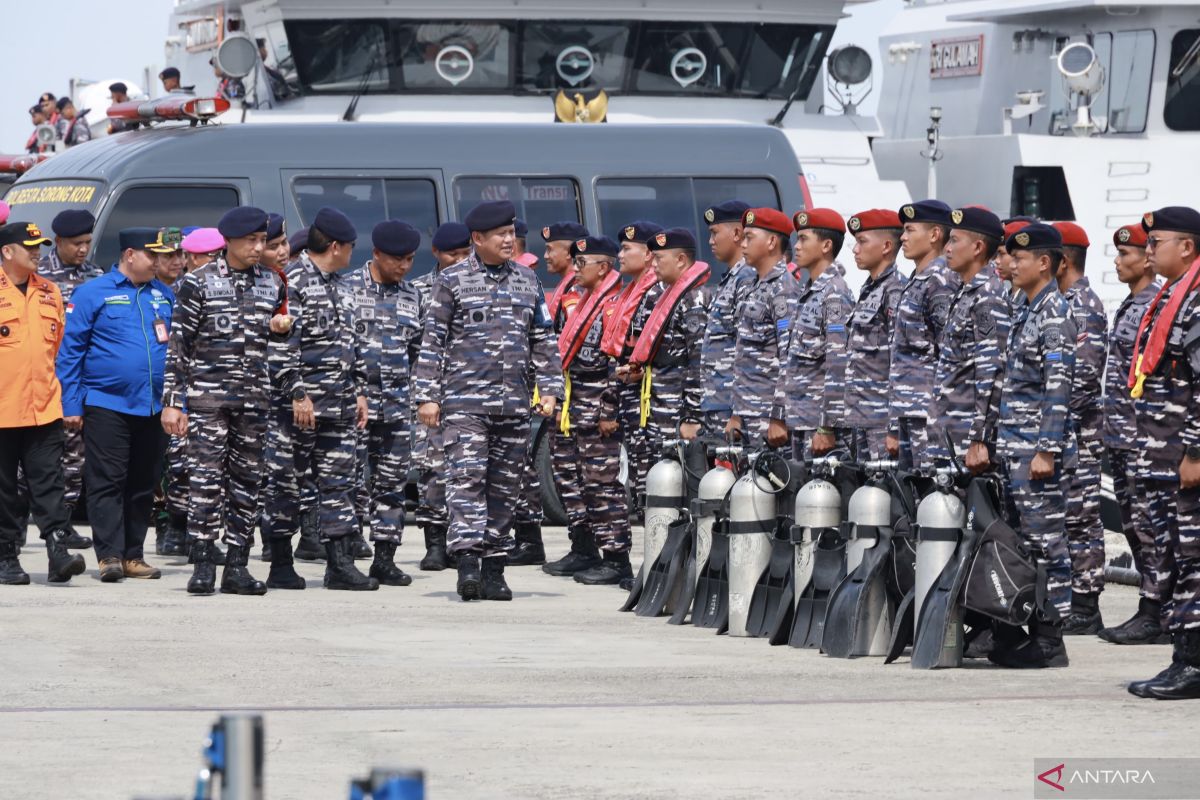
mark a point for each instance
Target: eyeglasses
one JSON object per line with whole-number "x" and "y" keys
{"x": 1155, "y": 241}
{"x": 582, "y": 262}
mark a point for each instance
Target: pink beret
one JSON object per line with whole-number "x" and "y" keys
{"x": 203, "y": 240}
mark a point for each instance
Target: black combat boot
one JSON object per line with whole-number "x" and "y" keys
{"x": 529, "y": 550}
{"x": 384, "y": 568}
{"x": 204, "y": 573}
{"x": 1084, "y": 618}
{"x": 235, "y": 578}
{"x": 470, "y": 582}
{"x": 11, "y": 573}
{"x": 611, "y": 571}
{"x": 160, "y": 533}
{"x": 264, "y": 530}
{"x": 1043, "y": 648}
{"x": 436, "y": 558}
{"x": 283, "y": 567}
{"x": 494, "y": 585}
{"x": 309, "y": 548}
{"x": 359, "y": 547}
{"x": 1183, "y": 682}
{"x": 340, "y": 572}
{"x": 174, "y": 541}
{"x": 75, "y": 540}
{"x": 63, "y": 564}
{"x": 1144, "y": 627}
{"x": 584, "y": 554}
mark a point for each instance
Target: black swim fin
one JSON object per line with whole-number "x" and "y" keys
{"x": 635, "y": 593}
{"x": 686, "y": 581}
{"x": 773, "y": 590}
{"x": 902, "y": 630}
{"x": 710, "y": 608}
{"x": 937, "y": 640}
{"x": 859, "y": 604}
{"x": 656, "y": 594}
{"x": 829, "y": 567}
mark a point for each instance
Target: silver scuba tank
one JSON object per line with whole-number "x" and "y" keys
{"x": 752, "y": 522}
{"x": 941, "y": 516}
{"x": 714, "y": 488}
{"x": 818, "y": 506}
{"x": 870, "y": 508}
{"x": 664, "y": 505}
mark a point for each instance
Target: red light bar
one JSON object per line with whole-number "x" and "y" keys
{"x": 21, "y": 163}
{"x": 167, "y": 108}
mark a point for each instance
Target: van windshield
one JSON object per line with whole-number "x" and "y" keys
{"x": 40, "y": 202}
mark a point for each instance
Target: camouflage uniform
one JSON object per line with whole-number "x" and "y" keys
{"x": 639, "y": 448}
{"x": 868, "y": 356}
{"x": 428, "y": 455}
{"x": 1120, "y": 435}
{"x": 67, "y": 279}
{"x": 564, "y": 447}
{"x": 676, "y": 378}
{"x": 760, "y": 352}
{"x": 217, "y": 369}
{"x": 484, "y": 327}
{"x": 970, "y": 367}
{"x": 1085, "y": 531}
{"x": 1168, "y": 420}
{"x": 921, "y": 315}
{"x": 388, "y": 325}
{"x": 716, "y": 351}
{"x": 322, "y": 357}
{"x": 816, "y": 361}
{"x": 1034, "y": 418}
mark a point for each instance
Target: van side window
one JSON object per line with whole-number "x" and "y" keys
{"x": 162, "y": 206}
{"x": 369, "y": 201}
{"x": 539, "y": 202}
{"x": 677, "y": 202}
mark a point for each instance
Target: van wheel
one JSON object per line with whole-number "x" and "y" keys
{"x": 552, "y": 507}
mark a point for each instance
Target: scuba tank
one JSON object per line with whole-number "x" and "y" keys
{"x": 664, "y": 505}
{"x": 714, "y": 489}
{"x": 940, "y": 520}
{"x": 710, "y": 602}
{"x": 820, "y": 550}
{"x": 752, "y": 521}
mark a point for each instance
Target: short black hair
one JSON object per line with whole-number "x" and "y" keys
{"x": 169, "y": 72}
{"x": 830, "y": 235}
{"x": 1056, "y": 258}
{"x": 945, "y": 229}
{"x": 318, "y": 242}
{"x": 118, "y": 88}
{"x": 1075, "y": 256}
{"x": 991, "y": 244}
{"x": 894, "y": 235}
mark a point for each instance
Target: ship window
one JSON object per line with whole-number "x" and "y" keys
{"x": 1129, "y": 81}
{"x": 573, "y": 55}
{"x": 702, "y": 59}
{"x": 454, "y": 55}
{"x": 1041, "y": 192}
{"x": 1181, "y": 111}
{"x": 342, "y": 57}
{"x": 780, "y": 58}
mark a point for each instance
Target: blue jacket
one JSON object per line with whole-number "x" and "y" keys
{"x": 110, "y": 355}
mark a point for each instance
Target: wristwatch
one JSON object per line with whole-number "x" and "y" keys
{"x": 298, "y": 395}
{"x": 1193, "y": 452}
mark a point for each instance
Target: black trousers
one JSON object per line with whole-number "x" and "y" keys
{"x": 122, "y": 457}
{"x": 39, "y": 452}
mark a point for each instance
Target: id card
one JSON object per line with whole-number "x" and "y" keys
{"x": 160, "y": 331}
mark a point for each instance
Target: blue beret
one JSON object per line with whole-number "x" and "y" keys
{"x": 276, "y": 226}
{"x": 563, "y": 232}
{"x": 1034, "y": 236}
{"x": 729, "y": 211}
{"x": 395, "y": 238}
{"x": 188, "y": 229}
{"x": 334, "y": 224}
{"x": 137, "y": 238}
{"x": 1180, "y": 219}
{"x": 242, "y": 221}
{"x": 522, "y": 230}
{"x": 489, "y": 216}
{"x": 451, "y": 236}
{"x": 73, "y": 222}
{"x": 595, "y": 246}
{"x": 639, "y": 232}
{"x": 297, "y": 242}
{"x": 977, "y": 220}
{"x": 673, "y": 239}
{"x": 935, "y": 212}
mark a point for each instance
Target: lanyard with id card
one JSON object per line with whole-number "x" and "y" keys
{"x": 161, "y": 335}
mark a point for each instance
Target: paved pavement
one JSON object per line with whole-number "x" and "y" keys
{"x": 110, "y": 690}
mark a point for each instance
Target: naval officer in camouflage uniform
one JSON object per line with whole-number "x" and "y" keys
{"x": 1165, "y": 385}
{"x": 451, "y": 244}
{"x": 970, "y": 366}
{"x": 388, "y": 324}
{"x": 1085, "y": 531}
{"x": 67, "y": 265}
{"x": 324, "y": 374}
{"x": 868, "y": 337}
{"x": 487, "y": 332}
{"x": 716, "y": 352}
{"x": 816, "y": 352}
{"x": 1034, "y": 440}
{"x": 920, "y": 318}
{"x": 763, "y": 320}
{"x": 1121, "y": 439}
{"x": 217, "y": 370}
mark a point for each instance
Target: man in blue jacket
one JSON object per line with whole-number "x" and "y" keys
{"x": 111, "y": 369}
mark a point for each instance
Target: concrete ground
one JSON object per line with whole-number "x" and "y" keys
{"x": 109, "y": 691}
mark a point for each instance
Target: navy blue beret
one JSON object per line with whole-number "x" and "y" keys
{"x": 334, "y": 224}
{"x": 276, "y": 226}
{"x": 934, "y": 212}
{"x": 297, "y": 242}
{"x": 451, "y": 236}
{"x": 595, "y": 246}
{"x": 673, "y": 239}
{"x": 1180, "y": 219}
{"x": 242, "y": 221}
{"x": 137, "y": 238}
{"x": 396, "y": 238}
{"x": 489, "y": 216}
{"x": 639, "y": 232}
{"x": 1034, "y": 236}
{"x": 977, "y": 220}
{"x": 522, "y": 230}
{"x": 564, "y": 232}
{"x": 73, "y": 222}
{"x": 729, "y": 211}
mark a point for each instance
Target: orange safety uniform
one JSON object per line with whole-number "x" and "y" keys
{"x": 31, "y": 329}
